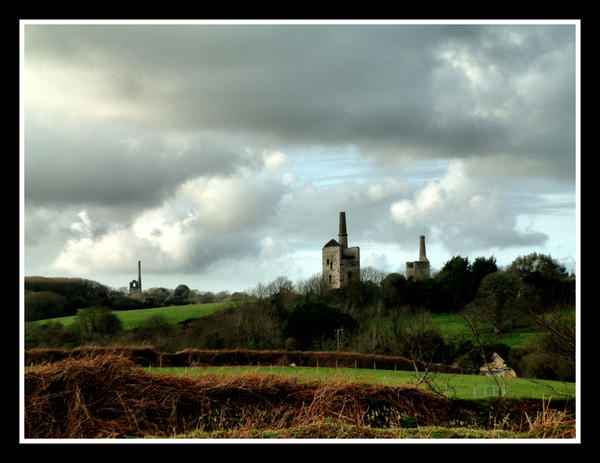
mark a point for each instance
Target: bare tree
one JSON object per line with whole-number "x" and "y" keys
{"x": 476, "y": 319}
{"x": 560, "y": 330}
{"x": 421, "y": 342}
{"x": 279, "y": 284}
{"x": 372, "y": 274}
{"x": 313, "y": 285}
{"x": 260, "y": 291}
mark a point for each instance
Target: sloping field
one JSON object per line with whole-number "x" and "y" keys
{"x": 172, "y": 314}
{"x": 108, "y": 396}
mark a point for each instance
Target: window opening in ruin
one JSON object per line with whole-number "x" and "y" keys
{"x": 329, "y": 279}
{"x": 331, "y": 265}
{"x": 349, "y": 275}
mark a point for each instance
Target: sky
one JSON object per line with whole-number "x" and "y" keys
{"x": 219, "y": 154}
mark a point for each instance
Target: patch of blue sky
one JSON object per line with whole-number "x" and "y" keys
{"x": 325, "y": 167}
{"x": 328, "y": 166}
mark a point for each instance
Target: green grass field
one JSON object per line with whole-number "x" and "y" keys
{"x": 173, "y": 314}
{"x": 452, "y": 329}
{"x": 454, "y": 386}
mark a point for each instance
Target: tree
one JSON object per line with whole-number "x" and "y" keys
{"x": 484, "y": 337}
{"x": 421, "y": 341}
{"x": 497, "y": 300}
{"x": 546, "y": 281}
{"x": 393, "y": 291}
{"x": 480, "y": 268}
{"x": 180, "y": 295}
{"x": 542, "y": 264}
{"x": 313, "y": 319}
{"x": 278, "y": 285}
{"x": 455, "y": 279}
{"x": 314, "y": 285}
{"x": 153, "y": 329}
{"x": 182, "y": 292}
{"x": 158, "y": 295}
{"x": 98, "y": 320}
{"x": 372, "y": 274}
{"x": 109, "y": 323}
{"x": 552, "y": 352}
{"x": 260, "y": 291}
{"x": 44, "y": 304}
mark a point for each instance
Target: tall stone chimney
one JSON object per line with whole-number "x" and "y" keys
{"x": 140, "y": 276}
{"x": 343, "y": 235}
{"x": 422, "y": 255}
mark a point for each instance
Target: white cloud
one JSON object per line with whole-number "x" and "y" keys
{"x": 205, "y": 217}
{"x": 463, "y": 212}
{"x": 275, "y": 161}
{"x": 84, "y": 225}
{"x": 84, "y": 255}
{"x": 388, "y": 187}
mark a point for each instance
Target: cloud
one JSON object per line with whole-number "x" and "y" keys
{"x": 396, "y": 91}
{"x": 206, "y": 220}
{"x": 114, "y": 165}
{"x": 206, "y": 148}
{"x": 275, "y": 161}
{"x": 463, "y": 213}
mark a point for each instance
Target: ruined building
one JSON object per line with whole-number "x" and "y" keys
{"x": 340, "y": 263}
{"x": 419, "y": 268}
{"x": 135, "y": 286}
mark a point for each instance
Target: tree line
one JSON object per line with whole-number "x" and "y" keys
{"x": 380, "y": 314}
{"x": 61, "y": 297}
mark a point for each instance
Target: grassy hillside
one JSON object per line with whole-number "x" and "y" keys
{"x": 173, "y": 314}
{"x": 449, "y": 324}
{"x": 452, "y": 329}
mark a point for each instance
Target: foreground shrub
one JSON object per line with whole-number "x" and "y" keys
{"x": 100, "y": 396}
{"x": 105, "y": 396}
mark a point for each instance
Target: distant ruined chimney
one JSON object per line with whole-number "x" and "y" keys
{"x": 422, "y": 255}
{"x": 340, "y": 263}
{"x": 140, "y": 276}
{"x": 343, "y": 234}
{"x": 419, "y": 268}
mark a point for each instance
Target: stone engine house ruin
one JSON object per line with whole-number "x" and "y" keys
{"x": 135, "y": 286}
{"x": 340, "y": 263}
{"x": 419, "y": 268}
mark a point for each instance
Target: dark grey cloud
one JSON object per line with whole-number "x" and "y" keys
{"x": 378, "y": 87}
{"x": 109, "y": 165}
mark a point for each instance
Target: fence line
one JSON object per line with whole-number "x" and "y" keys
{"x": 487, "y": 390}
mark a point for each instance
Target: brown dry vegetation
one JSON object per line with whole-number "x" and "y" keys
{"x": 108, "y": 396}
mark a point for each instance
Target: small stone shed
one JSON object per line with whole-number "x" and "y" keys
{"x": 497, "y": 367}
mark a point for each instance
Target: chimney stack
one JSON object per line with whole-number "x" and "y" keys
{"x": 422, "y": 256}
{"x": 140, "y": 276}
{"x": 343, "y": 235}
